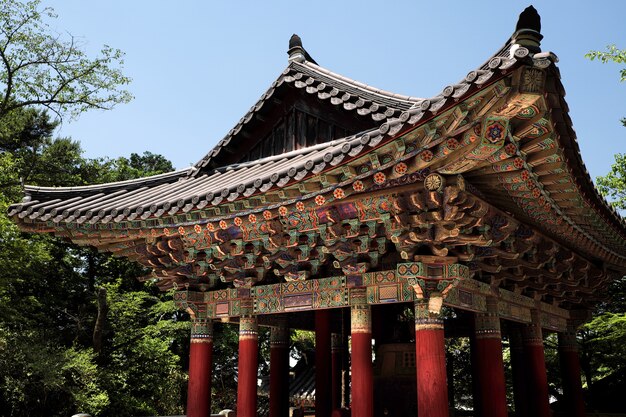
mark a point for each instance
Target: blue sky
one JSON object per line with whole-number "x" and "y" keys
{"x": 198, "y": 66}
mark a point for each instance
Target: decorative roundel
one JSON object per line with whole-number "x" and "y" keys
{"x": 252, "y": 218}
{"x": 434, "y": 182}
{"x": 530, "y": 184}
{"x": 380, "y": 178}
{"x": 426, "y": 156}
{"x": 536, "y": 192}
{"x": 166, "y": 231}
{"x": 541, "y": 200}
{"x": 320, "y": 200}
{"x": 267, "y": 215}
{"x": 223, "y": 224}
{"x": 197, "y": 228}
{"x": 282, "y": 210}
{"x": 510, "y": 149}
{"x": 495, "y": 132}
{"x": 525, "y": 175}
{"x": 401, "y": 168}
{"x": 153, "y": 232}
{"x": 358, "y": 185}
{"x": 452, "y": 144}
{"x": 339, "y": 193}
{"x": 518, "y": 163}
{"x": 210, "y": 227}
{"x": 181, "y": 230}
{"x": 300, "y": 206}
{"x": 237, "y": 221}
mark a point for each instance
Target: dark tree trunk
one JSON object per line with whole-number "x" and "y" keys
{"x": 98, "y": 329}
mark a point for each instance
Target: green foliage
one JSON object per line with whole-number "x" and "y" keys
{"x": 613, "y": 184}
{"x": 612, "y": 54}
{"x": 48, "y": 302}
{"x": 38, "y": 67}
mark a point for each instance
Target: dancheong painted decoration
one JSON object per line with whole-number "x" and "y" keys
{"x": 331, "y": 195}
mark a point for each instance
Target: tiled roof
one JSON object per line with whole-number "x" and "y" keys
{"x": 190, "y": 189}
{"x": 340, "y": 91}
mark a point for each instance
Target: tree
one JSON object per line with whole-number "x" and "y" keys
{"x": 613, "y": 184}
{"x": 41, "y": 68}
{"x": 612, "y": 54}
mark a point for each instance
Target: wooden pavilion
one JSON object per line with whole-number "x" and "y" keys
{"x": 332, "y": 199}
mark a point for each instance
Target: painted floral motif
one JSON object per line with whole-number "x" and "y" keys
{"x": 401, "y": 168}
{"x": 282, "y": 210}
{"x": 252, "y": 218}
{"x": 181, "y": 230}
{"x": 518, "y": 163}
{"x": 495, "y": 132}
{"x": 536, "y": 192}
{"x": 166, "y": 231}
{"x": 267, "y": 215}
{"x": 358, "y": 185}
{"x": 452, "y": 144}
{"x": 223, "y": 224}
{"x": 339, "y": 193}
{"x": 300, "y": 206}
{"x": 210, "y": 227}
{"x": 380, "y": 178}
{"x": 238, "y": 221}
{"x": 426, "y": 156}
{"x": 319, "y": 200}
{"x": 197, "y": 228}
{"x": 510, "y": 149}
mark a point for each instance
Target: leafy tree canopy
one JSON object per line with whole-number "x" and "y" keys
{"x": 39, "y": 67}
{"x": 612, "y": 54}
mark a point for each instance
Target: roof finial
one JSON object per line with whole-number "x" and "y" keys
{"x": 527, "y": 32}
{"x": 297, "y": 52}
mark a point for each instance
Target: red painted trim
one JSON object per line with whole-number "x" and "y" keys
{"x": 336, "y": 379}
{"x": 323, "y": 378}
{"x": 492, "y": 384}
{"x": 537, "y": 381}
{"x": 430, "y": 361}
{"x": 518, "y": 368}
{"x": 362, "y": 380}
{"x": 247, "y": 378}
{"x": 199, "y": 386}
{"x": 279, "y": 381}
{"x": 572, "y": 386}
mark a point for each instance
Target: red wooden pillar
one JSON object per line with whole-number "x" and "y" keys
{"x": 322, "y": 364}
{"x": 336, "y": 370}
{"x": 362, "y": 391}
{"x": 570, "y": 373}
{"x": 490, "y": 365}
{"x": 200, "y": 366}
{"x": 248, "y": 364}
{"x": 279, "y": 370}
{"x": 518, "y": 368}
{"x": 430, "y": 361}
{"x": 537, "y": 379}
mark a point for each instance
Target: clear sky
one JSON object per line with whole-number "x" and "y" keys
{"x": 198, "y": 66}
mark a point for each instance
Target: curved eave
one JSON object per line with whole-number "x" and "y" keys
{"x": 567, "y": 139}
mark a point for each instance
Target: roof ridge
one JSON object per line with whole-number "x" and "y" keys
{"x": 359, "y": 84}
{"x": 117, "y": 184}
